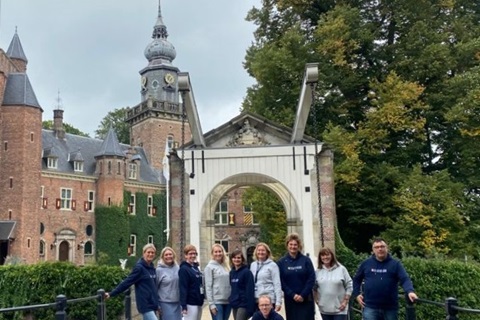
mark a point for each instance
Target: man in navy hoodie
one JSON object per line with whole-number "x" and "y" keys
{"x": 143, "y": 277}
{"x": 380, "y": 275}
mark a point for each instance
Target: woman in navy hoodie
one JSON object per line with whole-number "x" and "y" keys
{"x": 242, "y": 297}
{"x": 191, "y": 285}
{"x": 143, "y": 277}
{"x": 298, "y": 278}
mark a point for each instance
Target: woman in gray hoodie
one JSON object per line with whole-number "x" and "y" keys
{"x": 217, "y": 283}
{"x": 167, "y": 285}
{"x": 266, "y": 275}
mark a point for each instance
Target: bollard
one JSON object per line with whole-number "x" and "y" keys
{"x": 61, "y": 302}
{"x": 410, "y": 313}
{"x": 128, "y": 305}
{"x": 101, "y": 310}
{"x": 451, "y": 312}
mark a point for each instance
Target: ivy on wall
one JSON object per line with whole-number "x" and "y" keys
{"x": 115, "y": 225}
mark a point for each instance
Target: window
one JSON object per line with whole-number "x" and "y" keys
{"x": 131, "y": 205}
{"x": 52, "y": 163}
{"x": 88, "y": 248}
{"x": 78, "y": 166}
{"x": 41, "y": 249}
{"x": 133, "y": 245}
{"x": 132, "y": 171}
{"x": 224, "y": 243}
{"x": 119, "y": 167}
{"x": 170, "y": 142}
{"x": 149, "y": 205}
{"x": 66, "y": 199}
{"x": 5, "y": 145}
{"x": 91, "y": 201}
{"x": 109, "y": 167}
{"x": 89, "y": 230}
{"x": 249, "y": 216}
{"x": 31, "y": 136}
{"x": 42, "y": 228}
{"x": 221, "y": 215}
{"x": 150, "y": 239}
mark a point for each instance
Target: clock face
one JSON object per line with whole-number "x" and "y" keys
{"x": 169, "y": 78}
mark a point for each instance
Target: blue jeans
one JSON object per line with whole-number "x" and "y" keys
{"x": 379, "y": 314}
{"x": 150, "y": 315}
{"x": 223, "y": 312}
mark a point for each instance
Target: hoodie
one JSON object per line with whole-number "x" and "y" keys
{"x": 143, "y": 277}
{"x": 243, "y": 290}
{"x": 217, "y": 284}
{"x": 167, "y": 282}
{"x": 191, "y": 285}
{"x": 267, "y": 280}
{"x": 297, "y": 276}
{"x": 380, "y": 282}
{"x": 273, "y": 315}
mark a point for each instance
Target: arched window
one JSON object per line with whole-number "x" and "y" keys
{"x": 41, "y": 249}
{"x": 88, "y": 249}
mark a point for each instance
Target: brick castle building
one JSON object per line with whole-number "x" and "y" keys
{"x": 52, "y": 181}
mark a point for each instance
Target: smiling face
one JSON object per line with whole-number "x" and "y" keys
{"x": 191, "y": 256}
{"x": 168, "y": 258}
{"x": 265, "y": 306}
{"x": 237, "y": 261}
{"x": 218, "y": 254}
{"x": 262, "y": 253}
{"x": 326, "y": 259}
{"x": 292, "y": 247}
{"x": 149, "y": 255}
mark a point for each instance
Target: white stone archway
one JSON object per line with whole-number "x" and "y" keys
{"x": 251, "y": 150}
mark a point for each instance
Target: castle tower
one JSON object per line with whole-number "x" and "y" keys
{"x": 158, "y": 117}
{"x": 110, "y": 170}
{"x": 20, "y": 169}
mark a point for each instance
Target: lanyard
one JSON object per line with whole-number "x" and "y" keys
{"x": 259, "y": 266}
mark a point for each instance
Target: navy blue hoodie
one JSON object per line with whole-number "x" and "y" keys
{"x": 191, "y": 285}
{"x": 380, "y": 282}
{"x": 143, "y": 276}
{"x": 297, "y": 276}
{"x": 243, "y": 289}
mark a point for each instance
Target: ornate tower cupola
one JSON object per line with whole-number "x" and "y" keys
{"x": 16, "y": 54}
{"x": 159, "y": 78}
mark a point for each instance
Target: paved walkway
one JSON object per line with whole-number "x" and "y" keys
{"x": 206, "y": 313}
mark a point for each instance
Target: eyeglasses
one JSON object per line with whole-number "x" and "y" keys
{"x": 192, "y": 254}
{"x": 264, "y": 305}
{"x": 379, "y": 247}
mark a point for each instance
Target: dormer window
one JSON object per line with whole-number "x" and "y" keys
{"x": 52, "y": 162}
{"x": 78, "y": 166}
{"x": 132, "y": 171}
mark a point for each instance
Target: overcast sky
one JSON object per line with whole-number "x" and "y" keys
{"x": 91, "y": 51}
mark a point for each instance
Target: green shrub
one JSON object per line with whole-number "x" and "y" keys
{"x": 42, "y": 283}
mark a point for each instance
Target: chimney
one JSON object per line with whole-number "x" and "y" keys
{"x": 58, "y": 124}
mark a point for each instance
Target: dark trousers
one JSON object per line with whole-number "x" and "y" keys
{"x": 299, "y": 310}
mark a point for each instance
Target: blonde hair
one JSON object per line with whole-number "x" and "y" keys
{"x": 149, "y": 246}
{"x": 162, "y": 254}
{"x": 267, "y": 248}
{"x": 294, "y": 237}
{"x": 224, "y": 262}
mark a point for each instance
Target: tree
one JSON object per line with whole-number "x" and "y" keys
{"x": 115, "y": 119}
{"x": 398, "y": 90}
{"x": 48, "y": 124}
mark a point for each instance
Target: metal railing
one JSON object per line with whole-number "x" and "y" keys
{"x": 450, "y": 305}
{"x": 60, "y": 306}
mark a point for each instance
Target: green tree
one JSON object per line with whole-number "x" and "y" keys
{"x": 398, "y": 90}
{"x": 115, "y": 119}
{"x": 48, "y": 124}
{"x": 271, "y": 216}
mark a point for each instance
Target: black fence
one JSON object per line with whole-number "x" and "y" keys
{"x": 450, "y": 305}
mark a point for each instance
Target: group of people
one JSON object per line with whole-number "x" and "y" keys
{"x": 231, "y": 287}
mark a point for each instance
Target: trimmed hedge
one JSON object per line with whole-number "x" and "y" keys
{"x": 41, "y": 283}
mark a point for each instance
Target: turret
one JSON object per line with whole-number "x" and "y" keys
{"x": 16, "y": 54}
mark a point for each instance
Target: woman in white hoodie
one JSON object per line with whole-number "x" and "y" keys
{"x": 167, "y": 285}
{"x": 217, "y": 284}
{"x": 266, "y": 275}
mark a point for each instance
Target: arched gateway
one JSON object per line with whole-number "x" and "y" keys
{"x": 251, "y": 150}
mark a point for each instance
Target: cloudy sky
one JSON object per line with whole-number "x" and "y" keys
{"x": 91, "y": 51}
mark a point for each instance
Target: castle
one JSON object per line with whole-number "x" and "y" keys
{"x": 51, "y": 181}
